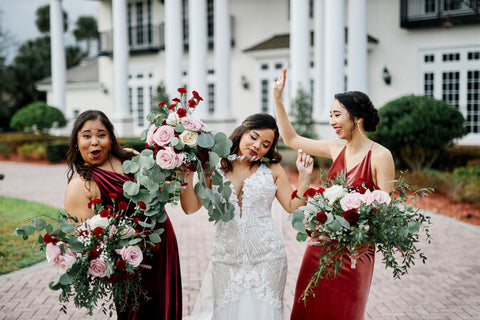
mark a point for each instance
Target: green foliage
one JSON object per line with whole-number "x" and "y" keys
{"x": 301, "y": 115}
{"x": 416, "y": 128}
{"x": 86, "y": 29}
{"x": 161, "y": 94}
{"x": 42, "y": 20}
{"x": 14, "y": 252}
{"x": 38, "y": 116}
{"x": 56, "y": 152}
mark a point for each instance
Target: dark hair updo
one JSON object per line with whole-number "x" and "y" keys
{"x": 258, "y": 121}
{"x": 359, "y": 105}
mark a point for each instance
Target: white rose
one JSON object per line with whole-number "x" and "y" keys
{"x": 334, "y": 192}
{"x": 173, "y": 119}
{"x": 97, "y": 221}
{"x": 189, "y": 138}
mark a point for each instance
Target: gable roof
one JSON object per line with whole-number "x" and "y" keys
{"x": 86, "y": 71}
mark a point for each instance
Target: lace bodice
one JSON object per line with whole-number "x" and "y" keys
{"x": 248, "y": 253}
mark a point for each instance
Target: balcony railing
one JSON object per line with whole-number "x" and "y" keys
{"x": 444, "y": 13}
{"x": 146, "y": 38}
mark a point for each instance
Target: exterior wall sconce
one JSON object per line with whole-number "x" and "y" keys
{"x": 387, "y": 77}
{"x": 245, "y": 83}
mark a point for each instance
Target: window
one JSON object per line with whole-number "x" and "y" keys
{"x": 211, "y": 98}
{"x": 428, "y": 84}
{"x": 264, "y": 95}
{"x": 130, "y": 100}
{"x": 474, "y": 55}
{"x": 140, "y": 110}
{"x": 429, "y": 58}
{"x": 449, "y": 57}
{"x": 430, "y": 6}
{"x": 473, "y": 101}
{"x": 451, "y": 87}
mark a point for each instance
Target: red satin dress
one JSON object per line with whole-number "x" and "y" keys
{"x": 162, "y": 282}
{"x": 344, "y": 297}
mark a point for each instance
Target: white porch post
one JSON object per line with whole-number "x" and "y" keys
{"x": 319, "y": 71}
{"x": 357, "y": 45}
{"x": 334, "y": 51}
{"x": 123, "y": 121}
{"x": 299, "y": 46}
{"x": 222, "y": 42}
{"x": 57, "y": 55}
{"x": 173, "y": 46}
{"x": 198, "y": 52}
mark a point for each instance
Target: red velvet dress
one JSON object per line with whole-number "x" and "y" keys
{"x": 344, "y": 297}
{"x": 162, "y": 282}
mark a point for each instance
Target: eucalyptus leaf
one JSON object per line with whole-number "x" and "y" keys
{"x": 134, "y": 241}
{"x": 213, "y": 159}
{"x": 413, "y": 226}
{"x": 129, "y": 166}
{"x": 301, "y": 236}
{"x": 179, "y": 128}
{"x": 155, "y": 238}
{"x": 39, "y": 224}
{"x": 299, "y": 226}
{"x": 131, "y": 188}
{"x": 66, "y": 226}
{"x": 205, "y": 140}
{"x": 334, "y": 226}
{"x": 65, "y": 279}
{"x": 146, "y": 162}
{"x": 147, "y": 153}
{"x": 146, "y": 225}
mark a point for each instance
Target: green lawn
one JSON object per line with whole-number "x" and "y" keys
{"x": 15, "y": 253}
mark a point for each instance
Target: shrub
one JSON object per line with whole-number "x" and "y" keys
{"x": 32, "y": 151}
{"x": 301, "y": 115}
{"x": 57, "y": 151}
{"x": 416, "y": 128}
{"x": 38, "y": 116}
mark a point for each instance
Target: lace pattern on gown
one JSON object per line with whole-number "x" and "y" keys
{"x": 248, "y": 254}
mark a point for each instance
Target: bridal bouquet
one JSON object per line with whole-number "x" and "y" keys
{"x": 100, "y": 259}
{"x": 342, "y": 218}
{"x": 178, "y": 142}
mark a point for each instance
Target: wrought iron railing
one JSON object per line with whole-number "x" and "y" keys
{"x": 444, "y": 13}
{"x": 146, "y": 38}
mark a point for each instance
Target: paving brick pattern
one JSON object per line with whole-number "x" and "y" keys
{"x": 446, "y": 287}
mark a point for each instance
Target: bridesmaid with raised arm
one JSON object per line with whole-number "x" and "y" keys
{"x": 95, "y": 171}
{"x": 361, "y": 160}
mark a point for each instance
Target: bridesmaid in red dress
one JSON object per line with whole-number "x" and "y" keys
{"x": 362, "y": 160}
{"x": 95, "y": 170}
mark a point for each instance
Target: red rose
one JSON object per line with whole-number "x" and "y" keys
{"x": 112, "y": 195}
{"x": 191, "y": 103}
{"x": 181, "y": 112}
{"x": 182, "y": 90}
{"x": 294, "y": 194}
{"x": 97, "y": 231}
{"x": 136, "y": 219}
{"x": 176, "y": 100}
{"x": 197, "y": 96}
{"x": 122, "y": 205}
{"x": 310, "y": 192}
{"x": 142, "y": 205}
{"x": 120, "y": 265}
{"x": 351, "y": 216}
{"x": 47, "y": 238}
{"x": 162, "y": 103}
{"x": 94, "y": 253}
{"x": 104, "y": 213}
{"x": 321, "y": 217}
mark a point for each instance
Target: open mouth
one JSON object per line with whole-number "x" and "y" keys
{"x": 95, "y": 153}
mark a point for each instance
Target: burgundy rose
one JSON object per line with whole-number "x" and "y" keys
{"x": 97, "y": 231}
{"x": 120, "y": 265}
{"x": 142, "y": 205}
{"x": 122, "y": 205}
{"x": 104, "y": 213}
{"x": 47, "y": 238}
{"x": 94, "y": 253}
{"x": 321, "y": 217}
{"x": 351, "y": 216}
{"x": 294, "y": 194}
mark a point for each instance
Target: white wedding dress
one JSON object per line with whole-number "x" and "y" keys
{"x": 247, "y": 272}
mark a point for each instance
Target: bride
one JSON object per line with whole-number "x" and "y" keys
{"x": 247, "y": 272}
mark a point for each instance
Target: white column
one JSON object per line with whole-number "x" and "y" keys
{"x": 319, "y": 71}
{"x": 120, "y": 68}
{"x": 57, "y": 55}
{"x": 222, "y": 47}
{"x": 173, "y": 46}
{"x": 198, "y": 52}
{"x": 357, "y": 45}
{"x": 334, "y": 51}
{"x": 299, "y": 46}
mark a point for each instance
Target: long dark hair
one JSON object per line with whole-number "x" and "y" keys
{"x": 359, "y": 105}
{"x": 75, "y": 161}
{"x": 255, "y": 121}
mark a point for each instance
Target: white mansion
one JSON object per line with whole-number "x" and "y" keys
{"x": 231, "y": 51}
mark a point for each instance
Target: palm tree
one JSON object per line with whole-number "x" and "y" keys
{"x": 43, "y": 19}
{"x": 86, "y": 29}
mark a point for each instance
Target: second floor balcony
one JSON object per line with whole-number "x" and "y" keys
{"x": 438, "y": 13}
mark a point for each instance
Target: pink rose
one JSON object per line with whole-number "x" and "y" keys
{"x": 66, "y": 261}
{"x": 98, "y": 268}
{"x": 167, "y": 159}
{"x": 53, "y": 253}
{"x": 131, "y": 254}
{"x": 381, "y": 196}
{"x": 351, "y": 201}
{"x": 150, "y": 133}
{"x": 163, "y": 135}
{"x": 191, "y": 123}
{"x": 368, "y": 197}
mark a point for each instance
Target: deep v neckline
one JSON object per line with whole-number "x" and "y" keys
{"x": 239, "y": 193}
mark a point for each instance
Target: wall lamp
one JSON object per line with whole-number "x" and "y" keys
{"x": 245, "y": 83}
{"x": 387, "y": 77}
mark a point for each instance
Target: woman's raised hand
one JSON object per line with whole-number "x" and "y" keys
{"x": 279, "y": 85}
{"x": 304, "y": 163}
